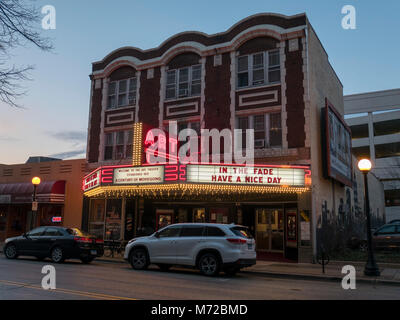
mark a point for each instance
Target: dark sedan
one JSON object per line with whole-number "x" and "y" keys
{"x": 387, "y": 237}
{"x": 57, "y": 243}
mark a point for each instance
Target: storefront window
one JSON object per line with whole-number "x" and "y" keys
{"x": 113, "y": 219}
{"x": 47, "y": 212}
{"x": 219, "y": 215}
{"x": 199, "y": 215}
{"x": 164, "y": 217}
{"x": 96, "y": 218}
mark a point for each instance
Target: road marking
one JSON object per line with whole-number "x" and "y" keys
{"x": 95, "y": 295}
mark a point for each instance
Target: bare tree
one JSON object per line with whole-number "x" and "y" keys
{"x": 20, "y": 22}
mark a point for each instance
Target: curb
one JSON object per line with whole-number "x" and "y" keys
{"x": 320, "y": 277}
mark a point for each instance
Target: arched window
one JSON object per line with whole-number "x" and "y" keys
{"x": 183, "y": 76}
{"x": 258, "y": 63}
{"x": 122, "y": 88}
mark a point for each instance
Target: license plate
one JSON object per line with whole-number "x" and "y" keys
{"x": 94, "y": 252}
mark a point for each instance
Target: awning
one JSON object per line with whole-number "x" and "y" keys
{"x": 46, "y": 191}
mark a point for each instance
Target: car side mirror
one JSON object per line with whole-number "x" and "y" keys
{"x": 25, "y": 235}
{"x": 157, "y": 235}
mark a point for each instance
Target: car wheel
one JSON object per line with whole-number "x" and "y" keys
{"x": 87, "y": 260}
{"x": 164, "y": 267}
{"x": 209, "y": 264}
{"x": 139, "y": 259}
{"x": 231, "y": 271}
{"x": 57, "y": 255}
{"x": 11, "y": 251}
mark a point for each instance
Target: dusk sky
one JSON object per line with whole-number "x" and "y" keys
{"x": 56, "y": 107}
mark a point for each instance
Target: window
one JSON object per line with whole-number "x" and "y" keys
{"x": 242, "y": 232}
{"x": 267, "y": 129}
{"x": 36, "y": 232}
{"x": 387, "y": 230}
{"x": 53, "y": 232}
{"x": 258, "y": 69}
{"x": 192, "y": 231}
{"x": 184, "y": 82}
{"x": 214, "y": 232}
{"x": 118, "y": 145}
{"x": 122, "y": 93}
{"x": 169, "y": 232}
{"x": 195, "y": 125}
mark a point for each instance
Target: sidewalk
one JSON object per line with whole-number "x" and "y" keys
{"x": 390, "y": 273}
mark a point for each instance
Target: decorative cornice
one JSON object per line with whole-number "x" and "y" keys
{"x": 278, "y": 26}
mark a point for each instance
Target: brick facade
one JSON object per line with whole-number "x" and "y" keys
{"x": 220, "y": 101}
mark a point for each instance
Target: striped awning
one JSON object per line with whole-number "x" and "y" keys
{"x": 21, "y": 192}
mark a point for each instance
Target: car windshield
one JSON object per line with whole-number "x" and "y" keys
{"x": 77, "y": 232}
{"x": 242, "y": 232}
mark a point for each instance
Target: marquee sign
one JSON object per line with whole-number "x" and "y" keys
{"x": 245, "y": 175}
{"x": 138, "y": 175}
{"x": 336, "y": 143}
{"x": 218, "y": 174}
{"x": 92, "y": 180}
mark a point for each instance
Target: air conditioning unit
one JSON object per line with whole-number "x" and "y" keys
{"x": 183, "y": 92}
{"x": 259, "y": 143}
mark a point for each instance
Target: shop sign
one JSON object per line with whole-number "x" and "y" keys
{"x": 34, "y": 206}
{"x": 271, "y": 176}
{"x": 56, "y": 219}
{"x": 138, "y": 175}
{"x": 336, "y": 143}
{"x": 91, "y": 181}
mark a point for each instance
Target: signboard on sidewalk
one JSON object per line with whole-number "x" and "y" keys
{"x": 34, "y": 206}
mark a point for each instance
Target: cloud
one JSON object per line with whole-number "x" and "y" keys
{"x": 9, "y": 139}
{"x": 69, "y": 154}
{"x": 72, "y": 136}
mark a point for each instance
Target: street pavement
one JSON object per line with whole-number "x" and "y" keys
{"x": 21, "y": 279}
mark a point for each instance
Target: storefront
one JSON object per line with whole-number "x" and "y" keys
{"x": 273, "y": 201}
{"x": 16, "y": 215}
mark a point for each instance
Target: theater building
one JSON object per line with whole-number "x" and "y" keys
{"x": 269, "y": 73}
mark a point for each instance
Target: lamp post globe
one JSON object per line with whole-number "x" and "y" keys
{"x": 364, "y": 165}
{"x": 36, "y": 181}
{"x": 371, "y": 268}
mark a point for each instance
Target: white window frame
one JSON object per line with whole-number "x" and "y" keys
{"x": 127, "y": 92}
{"x": 250, "y": 69}
{"x": 250, "y": 121}
{"x": 114, "y": 145}
{"x": 178, "y": 82}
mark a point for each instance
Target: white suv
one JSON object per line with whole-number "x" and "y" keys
{"x": 210, "y": 247}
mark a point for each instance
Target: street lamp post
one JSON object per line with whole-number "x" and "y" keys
{"x": 371, "y": 269}
{"x": 35, "y": 182}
